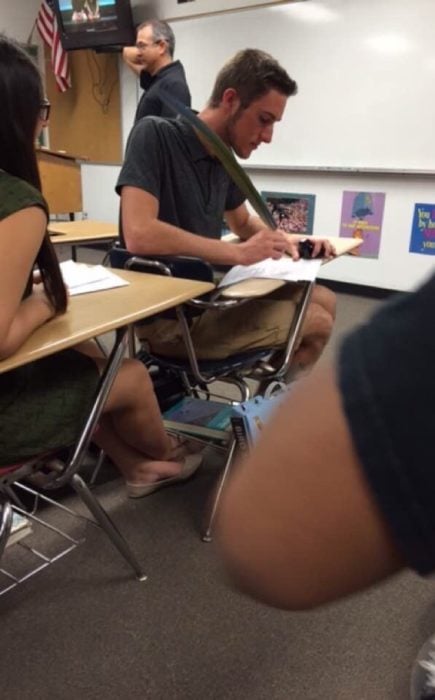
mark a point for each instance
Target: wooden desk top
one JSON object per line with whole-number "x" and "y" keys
{"x": 42, "y": 150}
{"x": 260, "y": 287}
{"x": 82, "y": 231}
{"x": 90, "y": 315}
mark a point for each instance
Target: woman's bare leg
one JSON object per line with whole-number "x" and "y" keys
{"x": 131, "y": 430}
{"x": 132, "y": 403}
{"x": 133, "y": 465}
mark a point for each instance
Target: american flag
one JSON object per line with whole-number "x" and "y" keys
{"x": 46, "y": 23}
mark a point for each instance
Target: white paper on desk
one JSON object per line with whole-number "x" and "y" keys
{"x": 81, "y": 278}
{"x": 283, "y": 269}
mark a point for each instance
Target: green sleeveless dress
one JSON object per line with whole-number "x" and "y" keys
{"x": 43, "y": 405}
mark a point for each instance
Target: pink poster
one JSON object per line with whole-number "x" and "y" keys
{"x": 361, "y": 217}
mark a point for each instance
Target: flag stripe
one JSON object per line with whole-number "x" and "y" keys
{"x": 46, "y": 23}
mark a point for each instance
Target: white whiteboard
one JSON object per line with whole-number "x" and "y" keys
{"x": 365, "y": 71}
{"x": 175, "y": 9}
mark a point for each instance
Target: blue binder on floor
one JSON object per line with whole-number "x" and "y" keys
{"x": 249, "y": 417}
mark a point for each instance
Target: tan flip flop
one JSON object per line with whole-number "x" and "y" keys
{"x": 190, "y": 464}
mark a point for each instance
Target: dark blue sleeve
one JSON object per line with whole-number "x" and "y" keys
{"x": 387, "y": 382}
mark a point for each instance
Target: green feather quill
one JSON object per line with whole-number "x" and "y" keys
{"x": 225, "y": 156}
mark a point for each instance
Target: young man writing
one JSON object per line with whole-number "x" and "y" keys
{"x": 175, "y": 194}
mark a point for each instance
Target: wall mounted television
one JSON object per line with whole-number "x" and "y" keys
{"x": 95, "y": 24}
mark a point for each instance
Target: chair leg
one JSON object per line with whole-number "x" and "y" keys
{"x": 207, "y": 534}
{"x": 106, "y": 524}
{"x": 5, "y": 524}
{"x": 98, "y": 465}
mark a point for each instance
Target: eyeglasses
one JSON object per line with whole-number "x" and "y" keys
{"x": 44, "y": 110}
{"x": 141, "y": 45}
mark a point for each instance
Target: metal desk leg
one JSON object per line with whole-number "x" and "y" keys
{"x": 69, "y": 474}
{"x": 207, "y": 534}
{"x": 106, "y": 524}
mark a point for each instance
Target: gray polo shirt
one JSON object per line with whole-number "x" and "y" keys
{"x": 165, "y": 158}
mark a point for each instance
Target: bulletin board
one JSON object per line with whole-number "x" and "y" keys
{"x": 86, "y": 119}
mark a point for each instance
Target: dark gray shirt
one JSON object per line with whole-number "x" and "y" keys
{"x": 165, "y": 158}
{"x": 172, "y": 78}
{"x": 387, "y": 384}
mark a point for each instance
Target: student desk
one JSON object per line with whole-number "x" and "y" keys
{"x": 82, "y": 232}
{"x": 260, "y": 287}
{"x": 90, "y": 315}
{"x": 95, "y": 313}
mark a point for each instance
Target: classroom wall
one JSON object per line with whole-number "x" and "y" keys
{"x": 355, "y": 23}
{"x": 98, "y": 179}
{"x": 364, "y": 70}
{"x": 395, "y": 268}
{"x": 17, "y": 18}
{"x": 173, "y": 9}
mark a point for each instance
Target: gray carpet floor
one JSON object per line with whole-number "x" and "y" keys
{"x": 85, "y": 628}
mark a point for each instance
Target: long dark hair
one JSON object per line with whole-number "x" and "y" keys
{"x": 20, "y": 99}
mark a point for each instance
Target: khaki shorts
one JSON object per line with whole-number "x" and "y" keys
{"x": 217, "y": 334}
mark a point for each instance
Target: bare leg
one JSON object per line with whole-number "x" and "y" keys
{"x": 131, "y": 429}
{"x": 316, "y": 329}
{"x": 133, "y": 465}
{"x": 133, "y": 406}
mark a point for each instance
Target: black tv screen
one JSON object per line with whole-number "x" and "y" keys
{"x": 94, "y": 24}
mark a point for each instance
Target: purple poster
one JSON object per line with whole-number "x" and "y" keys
{"x": 361, "y": 217}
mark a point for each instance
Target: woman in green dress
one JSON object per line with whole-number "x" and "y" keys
{"x": 43, "y": 404}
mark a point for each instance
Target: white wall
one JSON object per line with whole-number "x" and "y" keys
{"x": 98, "y": 181}
{"x": 171, "y": 9}
{"x": 395, "y": 268}
{"x": 17, "y": 18}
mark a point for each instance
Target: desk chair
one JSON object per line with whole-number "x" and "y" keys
{"x": 57, "y": 473}
{"x": 197, "y": 375}
{"x": 16, "y": 569}
{"x": 38, "y": 476}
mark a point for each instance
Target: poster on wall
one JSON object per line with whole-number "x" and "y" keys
{"x": 294, "y": 213}
{"x": 423, "y": 230}
{"x": 361, "y": 217}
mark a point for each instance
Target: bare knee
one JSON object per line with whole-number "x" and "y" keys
{"x": 132, "y": 386}
{"x": 318, "y": 323}
{"x": 325, "y": 298}
{"x": 316, "y": 331}
{"x": 134, "y": 374}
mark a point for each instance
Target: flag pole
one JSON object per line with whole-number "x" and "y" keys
{"x": 29, "y": 38}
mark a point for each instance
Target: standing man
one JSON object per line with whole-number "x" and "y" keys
{"x": 152, "y": 59}
{"x": 175, "y": 194}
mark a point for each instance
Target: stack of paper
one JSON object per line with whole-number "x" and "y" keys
{"x": 283, "y": 269}
{"x": 81, "y": 278}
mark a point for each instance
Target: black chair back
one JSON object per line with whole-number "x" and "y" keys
{"x": 181, "y": 266}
